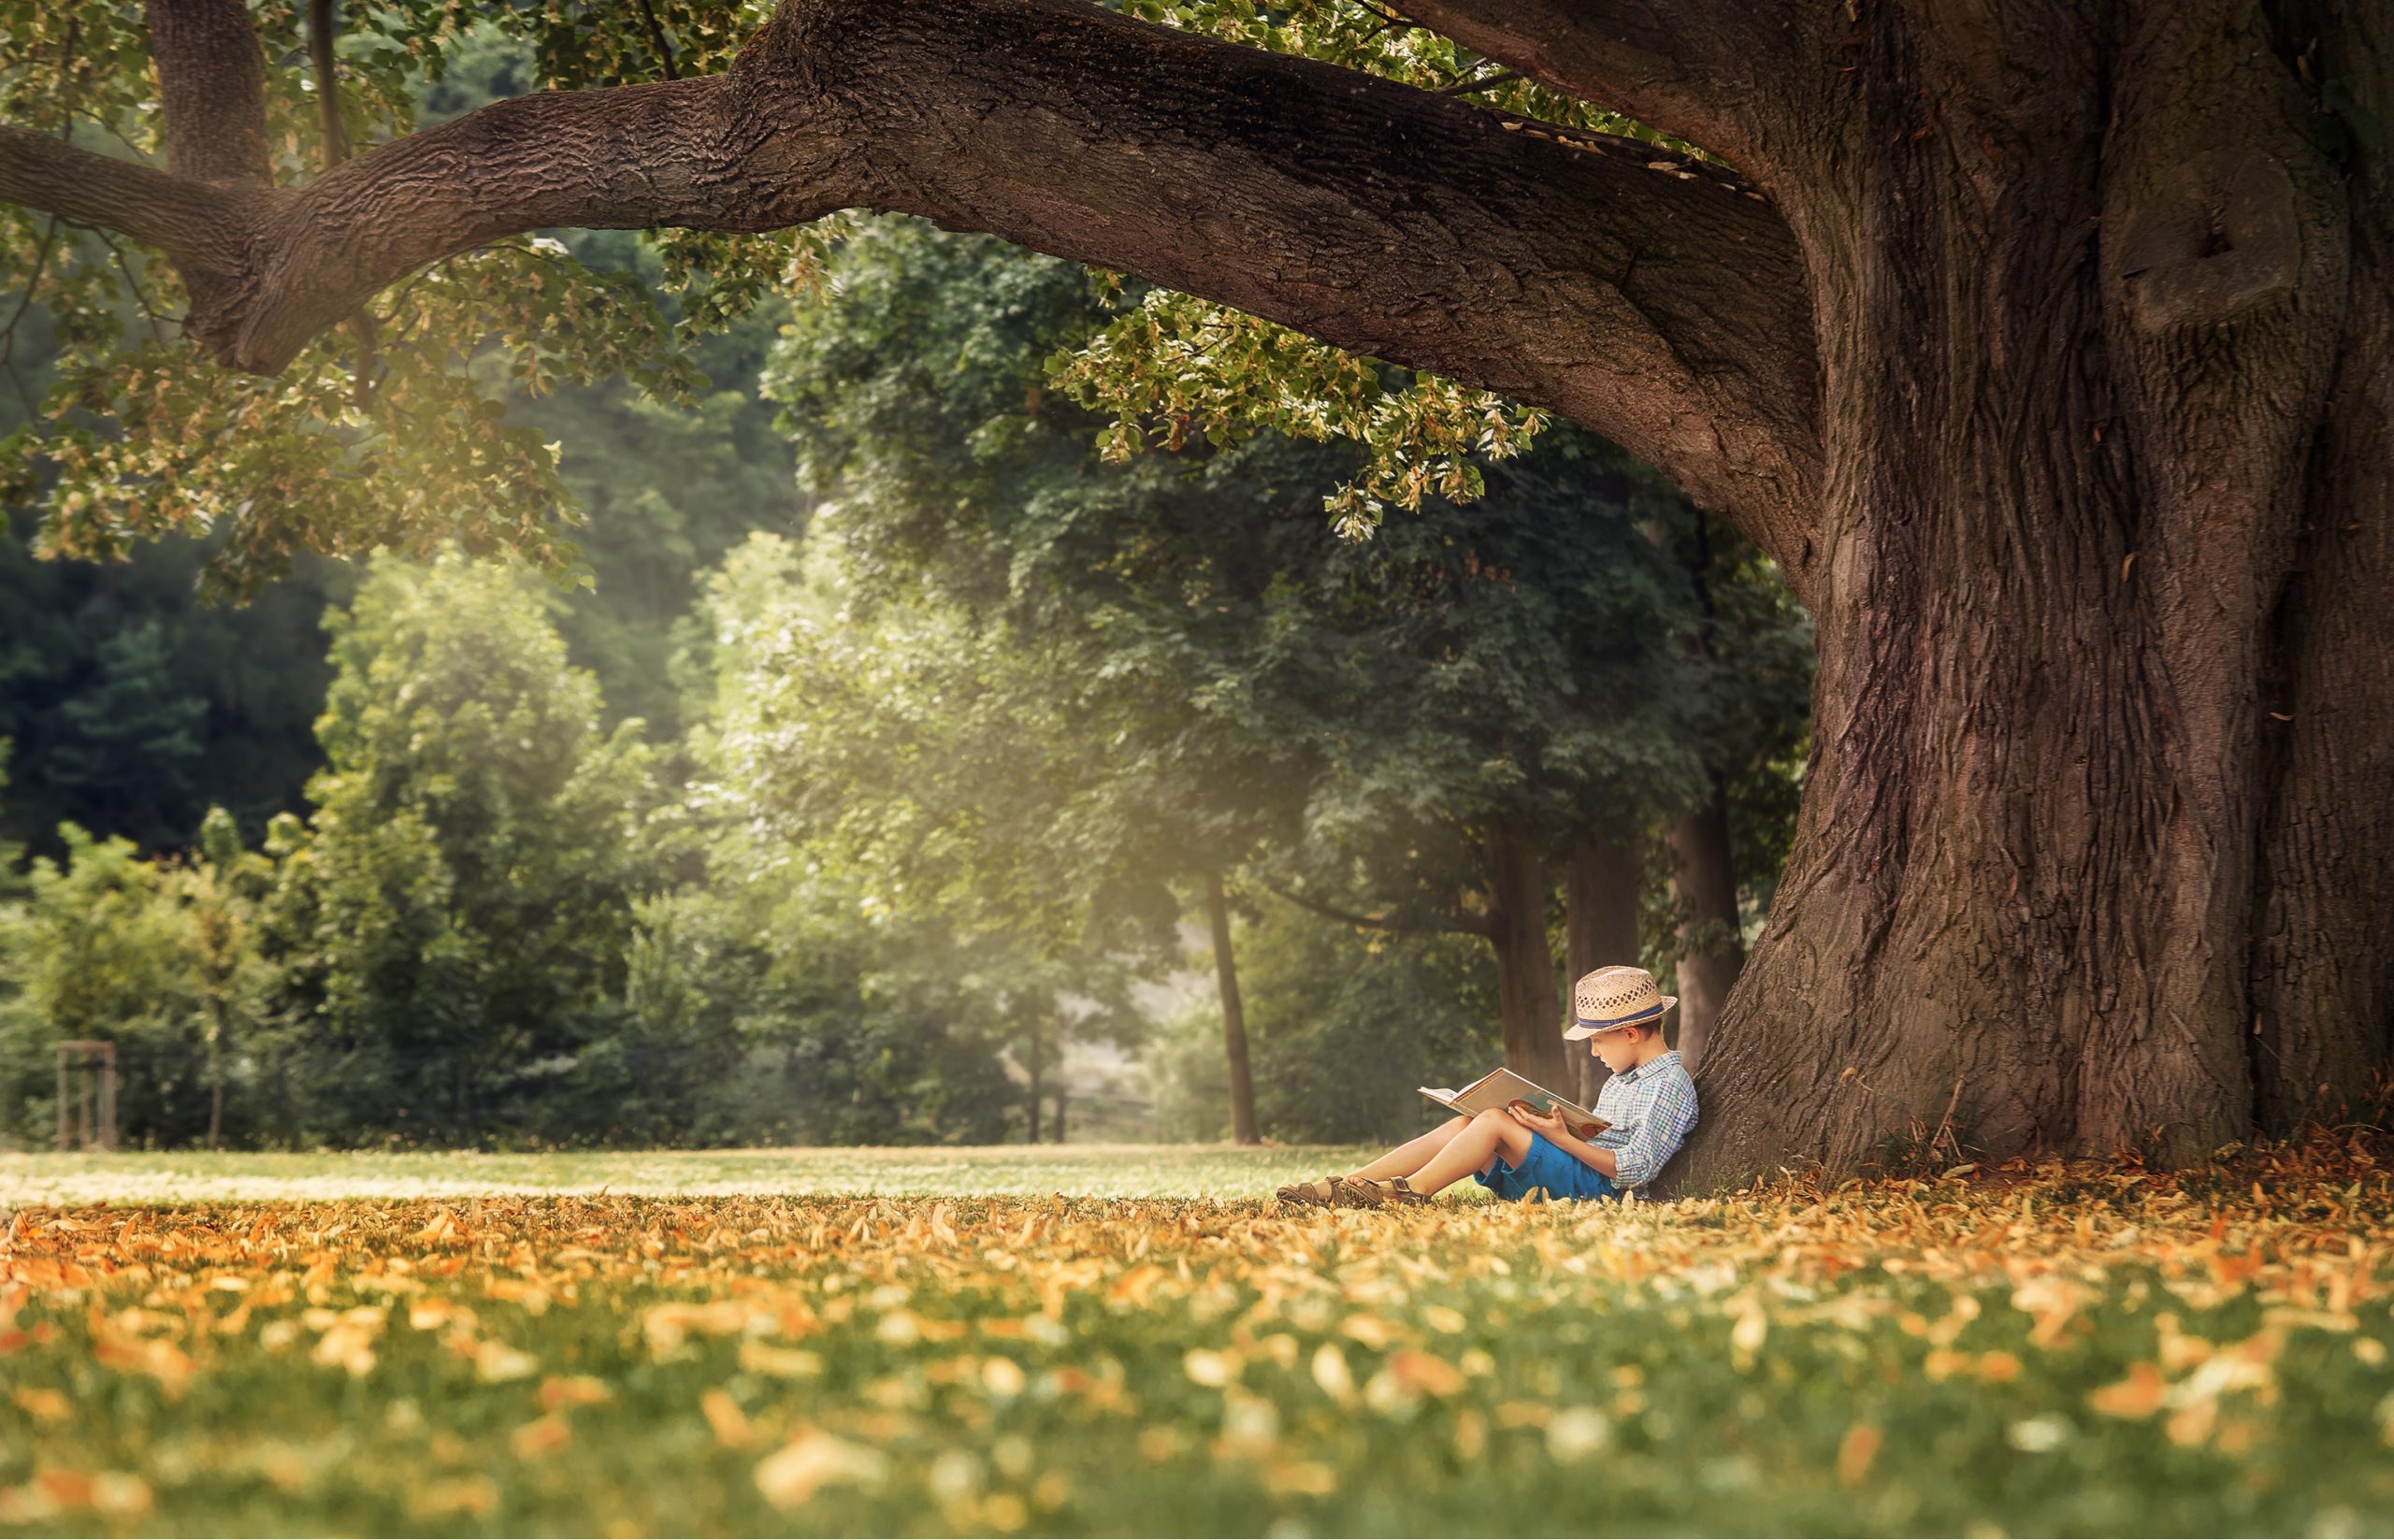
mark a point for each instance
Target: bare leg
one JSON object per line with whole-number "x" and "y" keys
{"x": 1472, "y": 1149}
{"x": 1413, "y": 1154}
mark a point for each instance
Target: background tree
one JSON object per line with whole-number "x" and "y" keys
{"x": 453, "y": 918}
{"x": 101, "y": 947}
{"x": 11, "y": 853}
{"x": 1726, "y": 848}
{"x": 885, "y": 790}
{"x": 666, "y": 487}
{"x": 136, "y": 706}
{"x": 2062, "y": 404}
{"x": 1181, "y": 669}
{"x": 221, "y": 891}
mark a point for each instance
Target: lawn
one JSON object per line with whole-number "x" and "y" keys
{"x": 1099, "y": 1171}
{"x": 995, "y": 1347}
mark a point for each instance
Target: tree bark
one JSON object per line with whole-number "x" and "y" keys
{"x": 1711, "y": 949}
{"x": 2068, "y": 472}
{"x": 1526, "y": 1000}
{"x": 212, "y": 80}
{"x": 1709, "y": 71}
{"x": 1243, "y": 1125}
{"x": 1600, "y": 883}
{"x": 2322, "y": 989}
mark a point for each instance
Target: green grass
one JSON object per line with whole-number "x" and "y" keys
{"x": 1103, "y": 1171}
{"x": 2081, "y": 1349}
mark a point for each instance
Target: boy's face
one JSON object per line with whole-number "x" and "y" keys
{"x": 1618, "y": 1048}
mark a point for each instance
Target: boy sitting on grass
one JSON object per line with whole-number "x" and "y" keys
{"x": 1649, "y": 1105}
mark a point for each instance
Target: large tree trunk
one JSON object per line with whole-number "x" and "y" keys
{"x": 1712, "y": 950}
{"x": 1600, "y": 882}
{"x": 2049, "y": 351}
{"x": 1526, "y": 1000}
{"x": 1218, "y": 912}
{"x": 2322, "y": 989}
{"x": 2081, "y": 309}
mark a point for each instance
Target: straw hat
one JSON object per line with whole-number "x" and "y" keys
{"x": 1615, "y": 997}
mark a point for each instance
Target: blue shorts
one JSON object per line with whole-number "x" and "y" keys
{"x": 1548, "y": 1169}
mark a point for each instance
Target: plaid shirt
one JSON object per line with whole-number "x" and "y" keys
{"x": 1650, "y": 1109}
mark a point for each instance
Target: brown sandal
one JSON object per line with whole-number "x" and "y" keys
{"x": 1316, "y": 1194}
{"x": 1396, "y": 1191}
{"x": 1355, "y": 1192}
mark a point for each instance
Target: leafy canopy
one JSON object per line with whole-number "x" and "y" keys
{"x": 389, "y": 434}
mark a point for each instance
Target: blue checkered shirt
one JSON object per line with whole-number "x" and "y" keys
{"x": 1650, "y": 1109}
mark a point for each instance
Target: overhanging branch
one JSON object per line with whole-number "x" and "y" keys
{"x": 1711, "y": 72}
{"x": 189, "y": 220}
{"x": 1655, "y": 300}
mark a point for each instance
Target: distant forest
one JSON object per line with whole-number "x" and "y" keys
{"x": 134, "y": 705}
{"x": 892, "y": 736}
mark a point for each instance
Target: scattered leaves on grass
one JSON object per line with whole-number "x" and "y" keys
{"x": 1872, "y": 1357}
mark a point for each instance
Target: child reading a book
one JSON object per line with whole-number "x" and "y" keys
{"x": 1647, "y": 1107}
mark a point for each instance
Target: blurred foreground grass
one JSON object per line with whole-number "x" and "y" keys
{"x": 2076, "y": 1348}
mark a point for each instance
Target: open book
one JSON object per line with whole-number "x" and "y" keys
{"x": 1500, "y": 1086}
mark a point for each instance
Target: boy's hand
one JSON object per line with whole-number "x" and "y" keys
{"x": 1547, "y": 1123}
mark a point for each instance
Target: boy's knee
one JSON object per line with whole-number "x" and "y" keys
{"x": 1495, "y": 1117}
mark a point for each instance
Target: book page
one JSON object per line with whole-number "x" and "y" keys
{"x": 1497, "y": 1087}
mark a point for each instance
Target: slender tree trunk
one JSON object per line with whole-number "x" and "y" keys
{"x": 1217, "y": 914}
{"x": 1062, "y": 1096}
{"x": 1600, "y": 883}
{"x": 1526, "y": 1000}
{"x": 1031, "y": 1134}
{"x": 1711, "y": 949}
{"x": 215, "y": 1086}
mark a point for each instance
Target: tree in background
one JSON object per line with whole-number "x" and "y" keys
{"x": 102, "y": 946}
{"x": 892, "y": 777}
{"x": 1203, "y": 675}
{"x": 666, "y": 487}
{"x": 1732, "y": 840}
{"x": 452, "y": 920}
{"x": 11, "y": 852}
{"x": 221, "y": 888}
{"x": 1345, "y": 1024}
{"x": 136, "y": 705}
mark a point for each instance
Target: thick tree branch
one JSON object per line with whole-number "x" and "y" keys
{"x": 1665, "y": 308}
{"x": 199, "y": 227}
{"x": 1713, "y": 72}
{"x": 211, "y": 87}
{"x": 1656, "y": 301}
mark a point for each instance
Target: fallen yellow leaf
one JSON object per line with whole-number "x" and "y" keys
{"x": 812, "y": 1460}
